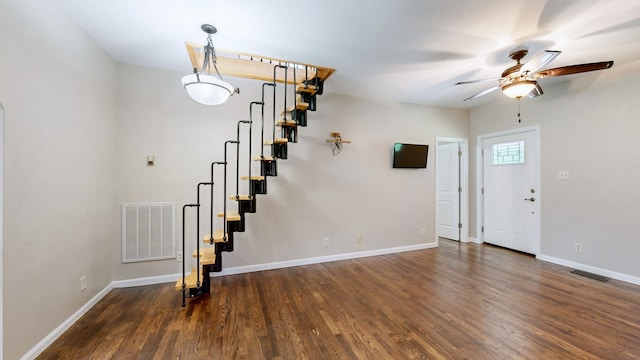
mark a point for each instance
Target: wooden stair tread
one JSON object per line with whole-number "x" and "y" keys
{"x": 191, "y": 280}
{"x": 277, "y": 141}
{"x": 287, "y": 122}
{"x": 311, "y": 89}
{"x": 263, "y": 158}
{"x": 299, "y": 106}
{"x": 207, "y": 256}
{"x": 241, "y": 197}
{"x": 231, "y": 216}
{"x": 255, "y": 177}
{"x": 217, "y": 237}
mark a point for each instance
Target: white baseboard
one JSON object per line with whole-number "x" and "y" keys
{"x": 474, "y": 240}
{"x": 320, "y": 259}
{"x": 152, "y": 280}
{"x": 57, "y": 332}
{"x": 275, "y": 265}
{"x": 592, "y": 269}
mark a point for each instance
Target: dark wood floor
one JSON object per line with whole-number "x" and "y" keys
{"x": 455, "y": 302}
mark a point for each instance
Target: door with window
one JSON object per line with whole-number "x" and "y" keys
{"x": 511, "y": 193}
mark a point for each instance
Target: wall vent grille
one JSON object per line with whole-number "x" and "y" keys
{"x": 148, "y": 232}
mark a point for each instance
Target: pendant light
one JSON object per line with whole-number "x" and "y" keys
{"x": 204, "y": 87}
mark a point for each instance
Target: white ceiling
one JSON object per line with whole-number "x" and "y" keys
{"x": 406, "y": 50}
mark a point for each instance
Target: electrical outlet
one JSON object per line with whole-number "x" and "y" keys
{"x": 359, "y": 240}
{"x": 563, "y": 174}
{"x": 83, "y": 282}
{"x": 326, "y": 241}
{"x": 423, "y": 231}
{"x": 578, "y": 247}
{"x": 179, "y": 256}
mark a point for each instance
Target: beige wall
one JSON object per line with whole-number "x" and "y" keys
{"x": 589, "y": 126}
{"x": 58, "y": 91}
{"x": 315, "y": 194}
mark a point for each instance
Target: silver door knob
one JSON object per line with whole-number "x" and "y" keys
{"x": 532, "y": 199}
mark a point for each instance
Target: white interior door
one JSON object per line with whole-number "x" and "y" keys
{"x": 512, "y": 191}
{"x": 1, "y": 227}
{"x": 447, "y": 194}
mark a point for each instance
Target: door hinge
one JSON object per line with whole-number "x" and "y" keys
{"x": 482, "y": 191}
{"x": 482, "y": 152}
{"x": 459, "y": 189}
{"x": 459, "y": 225}
{"x": 459, "y": 153}
{"x": 482, "y": 229}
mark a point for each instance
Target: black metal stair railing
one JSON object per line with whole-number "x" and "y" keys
{"x": 198, "y": 235}
{"x": 268, "y": 167}
{"x": 217, "y": 266}
{"x": 279, "y": 149}
{"x": 226, "y": 239}
{"x": 184, "y": 273}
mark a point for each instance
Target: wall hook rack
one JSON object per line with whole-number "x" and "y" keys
{"x": 336, "y": 142}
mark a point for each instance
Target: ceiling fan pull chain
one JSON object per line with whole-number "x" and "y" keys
{"x": 519, "y": 119}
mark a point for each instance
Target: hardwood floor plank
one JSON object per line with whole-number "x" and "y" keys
{"x": 458, "y": 301}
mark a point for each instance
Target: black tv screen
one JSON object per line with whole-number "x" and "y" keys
{"x": 410, "y": 156}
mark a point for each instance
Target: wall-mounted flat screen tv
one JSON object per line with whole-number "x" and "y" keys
{"x": 410, "y": 156}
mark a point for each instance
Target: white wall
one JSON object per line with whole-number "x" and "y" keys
{"x": 58, "y": 91}
{"x": 589, "y": 126}
{"x": 315, "y": 194}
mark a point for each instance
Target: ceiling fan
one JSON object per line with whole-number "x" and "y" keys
{"x": 522, "y": 79}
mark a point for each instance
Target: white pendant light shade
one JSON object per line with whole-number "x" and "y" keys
{"x": 207, "y": 89}
{"x": 519, "y": 89}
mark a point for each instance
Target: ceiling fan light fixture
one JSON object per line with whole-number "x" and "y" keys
{"x": 518, "y": 89}
{"x": 207, "y": 89}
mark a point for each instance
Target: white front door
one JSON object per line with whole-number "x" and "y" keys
{"x": 511, "y": 190}
{"x": 447, "y": 195}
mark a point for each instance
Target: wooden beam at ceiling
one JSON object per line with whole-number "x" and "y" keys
{"x": 255, "y": 66}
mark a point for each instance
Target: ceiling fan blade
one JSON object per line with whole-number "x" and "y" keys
{"x": 476, "y": 81}
{"x": 575, "y": 69}
{"x": 483, "y": 92}
{"x": 537, "y": 91}
{"x": 539, "y": 61}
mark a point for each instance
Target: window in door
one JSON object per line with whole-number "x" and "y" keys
{"x": 508, "y": 153}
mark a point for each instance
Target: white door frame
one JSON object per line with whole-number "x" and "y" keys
{"x": 1, "y": 228}
{"x": 464, "y": 176}
{"x": 480, "y": 176}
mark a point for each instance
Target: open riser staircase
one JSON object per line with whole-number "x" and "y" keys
{"x": 283, "y": 130}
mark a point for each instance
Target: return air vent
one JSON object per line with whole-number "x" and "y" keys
{"x": 590, "y": 275}
{"x": 148, "y": 232}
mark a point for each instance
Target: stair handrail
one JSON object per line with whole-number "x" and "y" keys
{"x": 224, "y": 211}
{"x": 238, "y": 157}
{"x": 211, "y": 204}
{"x": 184, "y": 274}
{"x": 273, "y": 84}
{"x": 275, "y": 67}
{"x": 198, "y": 232}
